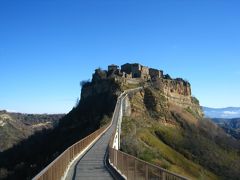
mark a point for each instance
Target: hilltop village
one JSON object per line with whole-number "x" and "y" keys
{"x": 136, "y": 71}
{"x": 129, "y": 71}
{"x": 133, "y": 71}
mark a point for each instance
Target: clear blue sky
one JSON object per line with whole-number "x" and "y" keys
{"x": 48, "y": 46}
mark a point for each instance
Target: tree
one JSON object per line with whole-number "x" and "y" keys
{"x": 84, "y": 82}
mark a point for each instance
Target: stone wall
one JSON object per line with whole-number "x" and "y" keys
{"x": 144, "y": 72}
{"x": 176, "y": 91}
{"x": 155, "y": 73}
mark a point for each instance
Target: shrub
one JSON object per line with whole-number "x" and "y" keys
{"x": 85, "y": 83}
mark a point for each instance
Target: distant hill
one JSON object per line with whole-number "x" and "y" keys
{"x": 230, "y": 126}
{"x": 227, "y": 118}
{"x": 226, "y": 113}
{"x": 14, "y": 127}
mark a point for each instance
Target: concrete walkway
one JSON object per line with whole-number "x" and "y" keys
{"x": 91, "y": 165}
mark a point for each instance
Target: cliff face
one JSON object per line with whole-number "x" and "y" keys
{"x": 178, "y": 92}
{"x": 100, "y": 87}
{"x": 175, "y": 90}
{"x": 102, "y": 82}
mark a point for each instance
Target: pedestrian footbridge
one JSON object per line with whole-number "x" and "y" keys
{"x": 97, "y": 156}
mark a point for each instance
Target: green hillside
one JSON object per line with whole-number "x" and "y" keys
{"x": 178, "y": 139}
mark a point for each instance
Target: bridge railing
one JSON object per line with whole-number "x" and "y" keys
{"x": 133, "y": 168}
{"x": 57, "y": 169}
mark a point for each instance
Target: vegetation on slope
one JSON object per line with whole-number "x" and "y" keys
{"x": 177, "y": 139}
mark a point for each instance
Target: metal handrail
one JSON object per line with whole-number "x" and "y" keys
{"x": 57, "y": 169}
{"x": 131, "y": 167}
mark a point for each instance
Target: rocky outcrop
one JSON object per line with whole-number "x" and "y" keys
{"x": 102, "y": 82}
{"x": 178, "y": 92}
{"x": 113, "y": 81}
{"x": 109, "y": 86}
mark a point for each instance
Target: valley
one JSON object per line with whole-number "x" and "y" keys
{"x": 15, "y": 127}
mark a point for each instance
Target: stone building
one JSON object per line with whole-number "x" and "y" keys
{"x": 137, "y": 70}
{"x": 112, "y": 67}
{"x": 155, "y": 73}
{"x": 99, "y": 75}
{"x": 127, "y": 68}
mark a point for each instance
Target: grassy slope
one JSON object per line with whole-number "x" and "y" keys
{"x": 173, "y": 138}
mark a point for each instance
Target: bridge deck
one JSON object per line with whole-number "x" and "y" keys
{"x": 91, "y": 164}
